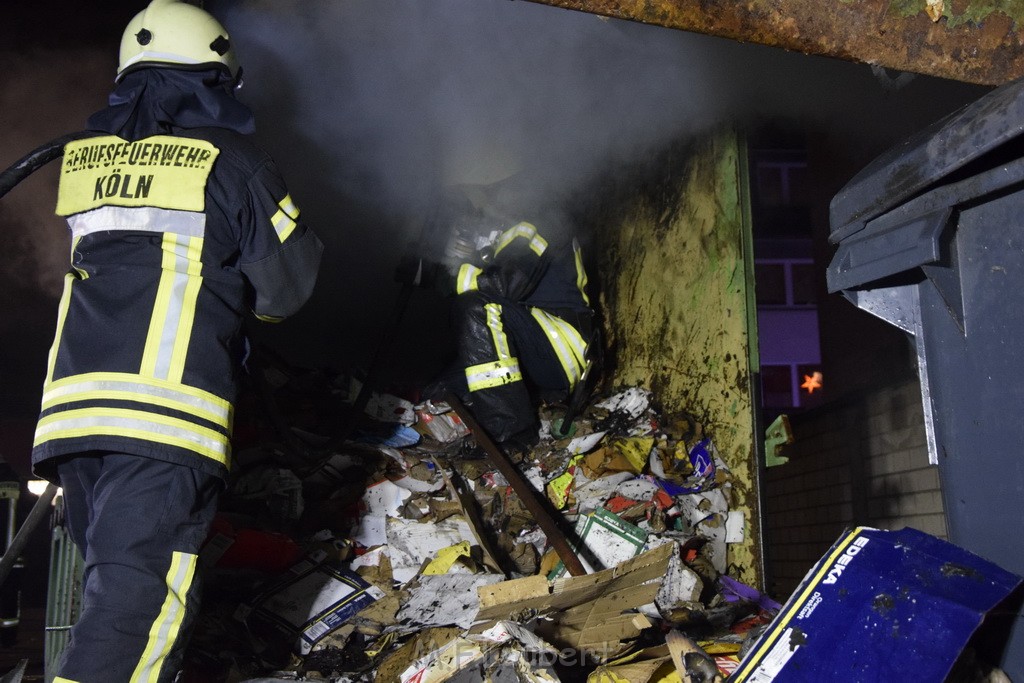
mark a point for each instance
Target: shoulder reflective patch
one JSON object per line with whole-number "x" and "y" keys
{"x": 524, "y": 231}
{"x": 284, "y": 220}
{"x": 466, "y": 280}
{"x": 162, "y": 171}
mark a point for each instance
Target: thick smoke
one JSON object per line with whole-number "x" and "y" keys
{"x": 42, "y": 98}
{"x": 402, "y": 97}
{"x": 372, "y": 107}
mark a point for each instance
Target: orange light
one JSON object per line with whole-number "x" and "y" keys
{"x": 812, "y": 382}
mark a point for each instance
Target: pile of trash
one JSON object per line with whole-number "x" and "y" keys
{"x": 402, "y": 553}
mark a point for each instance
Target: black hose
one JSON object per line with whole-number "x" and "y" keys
{"x": 36, "y": 159}
{"x": 39, "y": 512}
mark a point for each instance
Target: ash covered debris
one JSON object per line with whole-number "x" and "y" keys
{"x": 401, "y": 553}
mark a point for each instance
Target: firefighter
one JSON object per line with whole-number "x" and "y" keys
{"x": 180, "y": 226}
{"x": 521, "y": 314}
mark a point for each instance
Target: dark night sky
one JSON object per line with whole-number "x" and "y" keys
{"x": 369, "y": 106}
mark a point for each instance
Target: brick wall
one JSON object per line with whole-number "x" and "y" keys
{"x": 859, "y": 461}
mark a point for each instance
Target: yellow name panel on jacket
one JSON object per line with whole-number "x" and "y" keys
{"x": 160, "y": 171}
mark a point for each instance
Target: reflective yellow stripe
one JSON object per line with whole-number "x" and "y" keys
{"x": 135, "y": 424}
{"x": 567, "y": 343}
{"x": 498, "y": 336}
{"x": 581, "y": 274}
{"x": 505, "y": 369}
{"x": 493, "y": 374}
{"x": 268, "y": 318}
{"x": 170, "y": 326}
{"x": 62, "y": 314}
{"x": 284, "y": 221}
{"x": 188, "y": 309}
{"x": 466, "y": 279}
{"x": 60, "y": 679}
{"x": 118, "y": 386}
{"x": 167, "y": 625}
{"x": 525, "y": 231}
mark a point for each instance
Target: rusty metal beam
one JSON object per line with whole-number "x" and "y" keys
{"x": 536, "y": 503}
{"x": 974, "y": 41}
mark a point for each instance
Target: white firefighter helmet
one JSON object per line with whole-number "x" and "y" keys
{"x": 176, "y": 34}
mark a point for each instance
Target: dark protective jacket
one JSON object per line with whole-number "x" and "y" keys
{"x": 528, "y": 268}
{"x": 178, "y": 232}
{"x": 523, "y": 316}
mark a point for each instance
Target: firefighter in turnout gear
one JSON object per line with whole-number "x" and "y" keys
{"x": 180, "y": 228}
{"x": 521, "y": 314}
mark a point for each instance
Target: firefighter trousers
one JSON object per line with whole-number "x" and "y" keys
{"x": 505, "y": 354}
{"x": 139, "y": 523}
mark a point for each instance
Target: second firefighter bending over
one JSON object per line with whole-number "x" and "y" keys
{"x": 521, "y": 316}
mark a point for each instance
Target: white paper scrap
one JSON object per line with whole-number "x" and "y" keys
{"x": 637, "y": 489}
{"x": 371, "y": 531}
{"x": 584, "y": 444}
{"x": 385, "y": 499}
{"x": 410, "y": 542}
{"x": 382, "y": 500}
{"x": 734, "y": 527}
{"x": 504, "y": 631}
{"x": 441, "y": 664}
{"x": 445, "y": 600}
{"x": 632, "y": 401}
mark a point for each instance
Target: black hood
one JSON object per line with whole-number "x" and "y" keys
{"x": 162, "y": 101}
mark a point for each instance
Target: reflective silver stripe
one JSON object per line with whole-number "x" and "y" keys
{"x": 566, "y": 341}
{"x": 146, "y": 219}
{"x": 466, "y": 280}
{"x": 284, "y": 221}
{"x": 493, "y": 374}
{"x": 174, "y": 309}
{"x": 208, "y": 408}
{"x": 501, "y": 349}
{"x": 525, "y": 231}
{"x": 172, "y": 316}
{"x": 134, "y": 424}
{"x": 167, "y": 625}
{"x": 288, "y": 206}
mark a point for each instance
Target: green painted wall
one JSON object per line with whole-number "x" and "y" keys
{"x": 675, "y": 278}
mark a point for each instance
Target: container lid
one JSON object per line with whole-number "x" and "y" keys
{"x": 924, "y": 159}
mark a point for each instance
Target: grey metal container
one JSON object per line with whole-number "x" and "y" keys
{"x": 930, "y": 237}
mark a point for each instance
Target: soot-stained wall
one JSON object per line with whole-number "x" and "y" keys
{"x": 673, "y": 274}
